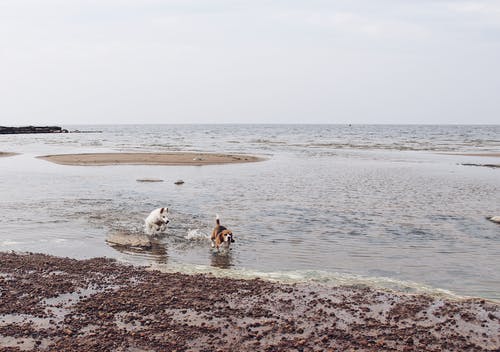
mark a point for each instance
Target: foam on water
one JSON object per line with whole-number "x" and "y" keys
{"x": 9, "y": 243}
{"x": 312, "y": 277}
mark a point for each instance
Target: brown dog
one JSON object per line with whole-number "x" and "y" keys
{"x": 221, "y": 235}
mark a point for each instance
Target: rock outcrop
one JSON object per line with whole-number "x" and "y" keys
{"x": 32, "y": 129}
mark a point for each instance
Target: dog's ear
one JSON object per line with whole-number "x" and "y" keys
{"x": 161, "y": 210}
{"x": 167, "y": 210}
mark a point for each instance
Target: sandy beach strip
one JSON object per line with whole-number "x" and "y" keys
{"x": 60, "y": 304}
{"x": 6, "y": 154}
{"x": 179, "y": 158}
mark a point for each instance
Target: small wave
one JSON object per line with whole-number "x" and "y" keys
{"x": 313, "y": 276}
{"x": 92, "y": 144}
{"x": 9, "y": 243}
{"x": 267, "y": 141}
{"x": 374, "y": 146}
{"x": 196, "y": 234}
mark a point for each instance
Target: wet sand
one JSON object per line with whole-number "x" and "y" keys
{"x": 5, "y": 154}
{"x": 181, "y": 158}
{"x": 60, "y": 304}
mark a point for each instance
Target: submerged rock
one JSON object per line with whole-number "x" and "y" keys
{"x": 122, "y": 238}
{"x": 494, "y": 219}
{"x": 149, "y": 180}
{"x": 493, "y": 166}
{"x": 179, "y": 182}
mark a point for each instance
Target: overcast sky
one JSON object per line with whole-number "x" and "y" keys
{"x": 231, "y": 61}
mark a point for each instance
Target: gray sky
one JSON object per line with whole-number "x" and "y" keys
{"x": 204, "y": 61}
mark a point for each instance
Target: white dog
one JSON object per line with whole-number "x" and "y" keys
{"x": 157, "y": 221}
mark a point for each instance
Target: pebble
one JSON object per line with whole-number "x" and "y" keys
{"x": 130, "y": 308}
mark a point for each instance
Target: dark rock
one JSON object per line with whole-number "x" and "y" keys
{"x": 32, "y": 129}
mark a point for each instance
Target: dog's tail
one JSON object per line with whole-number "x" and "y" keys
{"x": 217, "y": 220}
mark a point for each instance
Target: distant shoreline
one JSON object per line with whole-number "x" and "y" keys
{"x": 173, "y": 159}
{"x": 32, "y": 129}
{"x": 41, "y": 129}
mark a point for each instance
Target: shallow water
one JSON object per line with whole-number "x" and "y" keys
{"x": 379, "y": 204}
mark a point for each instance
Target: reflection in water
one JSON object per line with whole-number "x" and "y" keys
{"x": 221, "y": 259}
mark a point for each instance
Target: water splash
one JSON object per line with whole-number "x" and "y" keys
{"x": 197, "y": 234}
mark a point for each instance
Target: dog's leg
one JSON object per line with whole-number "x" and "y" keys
{"x": 212, "y": 238}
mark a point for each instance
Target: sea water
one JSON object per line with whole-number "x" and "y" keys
{"x": 378, "y": 204}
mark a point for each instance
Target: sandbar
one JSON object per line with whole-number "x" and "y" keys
{"x": 6, "y": 154}
{"x": 180, "y": 158}
{"x": 489, "y": 155}
{"x": 61, "y": 304}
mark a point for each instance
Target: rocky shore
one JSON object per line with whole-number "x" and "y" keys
{"x": 60, "y": 304}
